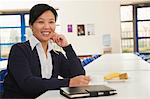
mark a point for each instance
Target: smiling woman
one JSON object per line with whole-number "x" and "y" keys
{"x": 34, "y": 66}
{"x": 43, "y": 28}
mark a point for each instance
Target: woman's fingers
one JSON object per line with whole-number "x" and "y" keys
{"x": 79, "y": 81}
{"x": 60, "y": 40}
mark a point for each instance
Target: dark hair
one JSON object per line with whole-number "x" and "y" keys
{"x": 39, "y": 9}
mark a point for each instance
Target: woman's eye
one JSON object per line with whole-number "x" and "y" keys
{"x": 51, "y": 22}
{"x": 40, "y": 22}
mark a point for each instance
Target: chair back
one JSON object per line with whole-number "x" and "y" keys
{"x": 3, "y": 74}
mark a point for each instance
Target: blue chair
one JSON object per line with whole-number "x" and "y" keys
{"x": 148, "y": 60}
{"x": 143, "y": 57}
{"x": 137, "y": 53}
{"x": 88, "y": 60}
{"x": 3, "y": 73}
{"x": 84, "y": 62}
{"x": 96, "y": 56}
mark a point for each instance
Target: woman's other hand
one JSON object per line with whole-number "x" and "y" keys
{"x": 79, "y": 81}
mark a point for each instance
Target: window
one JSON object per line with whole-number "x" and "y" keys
{"x": 127, "y": 38}
{"x": 17, "y": 30}
{"x": 10, "y": 33}
{"x": 135, "y": 23}
{"x": 126, "y": 13}
{"x": 143, "y": 23}
{"x": 27, "y": 29}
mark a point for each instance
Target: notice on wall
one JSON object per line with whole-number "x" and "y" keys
{"x": 106, "y": 40}
{"x": 81, "y": 30}
{"x": 70, "y": 28}
{"x": 90, "y": 29}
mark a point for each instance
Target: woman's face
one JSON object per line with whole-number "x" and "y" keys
{"x": 43, "y": 28}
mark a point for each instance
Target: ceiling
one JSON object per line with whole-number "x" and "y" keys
{"x": 26, "y": 4}
{"x": 134, "y": 1}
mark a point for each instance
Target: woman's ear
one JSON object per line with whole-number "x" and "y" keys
{"x": 31, "y": 26}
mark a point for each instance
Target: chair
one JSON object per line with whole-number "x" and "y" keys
{"x": 148, "y": 60}
{"x": 96, "y": 56}
{"x": 143, "y": 57}
{"x": 84, "y": 61}
{"x": 3, "y": 73}
{"x": 137, "y": 53}
{"x": 88, "y": 60}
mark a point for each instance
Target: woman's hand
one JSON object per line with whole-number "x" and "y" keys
{"x": 60, "y": 40}
{"x": 79, "y": 81}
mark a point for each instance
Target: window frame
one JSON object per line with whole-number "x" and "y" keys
{"x": 132, "y": 21}
{"x": 135, "y": 25}
{"x": 22, "y": 28}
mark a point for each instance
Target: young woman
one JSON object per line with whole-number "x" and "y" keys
{"x": 34, "y": 67}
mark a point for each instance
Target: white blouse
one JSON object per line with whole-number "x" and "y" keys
{"x": 46, "y": 62}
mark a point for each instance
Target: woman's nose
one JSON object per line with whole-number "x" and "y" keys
{"x": 47, "y": 25}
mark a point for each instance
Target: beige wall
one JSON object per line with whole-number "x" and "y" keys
{"x": 105, "y": 14}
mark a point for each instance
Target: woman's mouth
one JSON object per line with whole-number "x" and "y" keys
{"x": 45, "y": 33}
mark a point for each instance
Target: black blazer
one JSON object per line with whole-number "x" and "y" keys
{"x": 24, "y": 78}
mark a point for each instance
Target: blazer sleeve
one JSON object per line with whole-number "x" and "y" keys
{"x": 18, "y": 66}
{"x": 70, "y": 64}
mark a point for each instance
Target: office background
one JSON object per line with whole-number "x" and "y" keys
{"x": 117, "y": 26}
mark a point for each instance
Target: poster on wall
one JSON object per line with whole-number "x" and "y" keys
{"x": 106, "y": 40}
{"x": 90, "y": 29}
{"x": 70, "y": 28}
{"x": 80, "y": 30}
